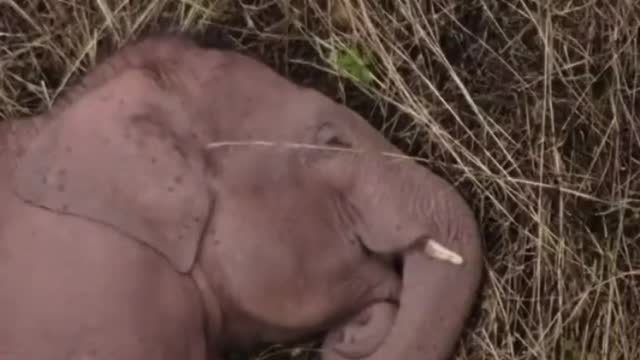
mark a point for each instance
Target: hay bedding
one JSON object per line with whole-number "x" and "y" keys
{"x": 529, "y": 107}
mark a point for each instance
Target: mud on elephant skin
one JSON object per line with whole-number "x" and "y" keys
{"x": 160, "y": 210}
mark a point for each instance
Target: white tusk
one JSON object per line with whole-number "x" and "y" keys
{"x": 437, "y": 251}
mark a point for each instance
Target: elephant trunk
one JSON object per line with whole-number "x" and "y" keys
{"x": 414, "y": 213}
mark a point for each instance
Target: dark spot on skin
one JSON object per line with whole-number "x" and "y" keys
{"x": 154, "y": 160}
{"x": 170, "y": 189}
{"x": 67, "y": 149}
{"x": 44, "y": 180}
{"x": 178, "y": 180}
{"x": 62, "y": 172}
{"x": 397, "y": 228}
{"x": 65, "y": 207}
{"x": 60, "y": 187}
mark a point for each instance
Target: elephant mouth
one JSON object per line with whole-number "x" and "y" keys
{"x": 362, "y": 336}
{"x": 426, "y": 245}
{"x": 389, "y": 259}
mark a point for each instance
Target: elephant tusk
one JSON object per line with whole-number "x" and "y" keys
{"x": 437, "y": 251}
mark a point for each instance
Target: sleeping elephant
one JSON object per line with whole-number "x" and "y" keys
{"x": 182, "y": 200}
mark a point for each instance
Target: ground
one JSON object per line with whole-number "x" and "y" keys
{"x": 528, "y": 106}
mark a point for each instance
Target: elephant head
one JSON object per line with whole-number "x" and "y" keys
{"x": 400, "y": 209}
{"x": 407, "y": 210}
{"x": 285, "y": 206}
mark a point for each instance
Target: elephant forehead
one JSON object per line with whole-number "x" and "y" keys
{"x": 304, "y": 116}
{"x": 250, "y": 101}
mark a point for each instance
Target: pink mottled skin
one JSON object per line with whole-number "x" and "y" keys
{"x": 124, "y": 234}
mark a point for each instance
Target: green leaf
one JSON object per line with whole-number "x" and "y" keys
{"x": 353, "y": 63}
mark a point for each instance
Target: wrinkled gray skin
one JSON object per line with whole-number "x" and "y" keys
{"x": 123, "y": 235}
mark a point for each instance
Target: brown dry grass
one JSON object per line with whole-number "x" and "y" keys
{"x": 530, "y": 107}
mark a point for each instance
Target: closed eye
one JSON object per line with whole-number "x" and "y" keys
{"x": 336, "y": 141}
{"x": 327, "y": 135}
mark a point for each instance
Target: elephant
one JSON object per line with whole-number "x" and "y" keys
{"x": 181, "y": 200}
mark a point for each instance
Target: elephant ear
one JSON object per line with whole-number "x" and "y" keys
{"x": 123, "y": 168}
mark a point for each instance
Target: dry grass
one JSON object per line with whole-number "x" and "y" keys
{"x": 530, "y": 107}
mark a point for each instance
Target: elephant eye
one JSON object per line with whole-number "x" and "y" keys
{"x": 336, "y": 141}
{"x": 324, "y": 135}
{"x": 327, "y": 135}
